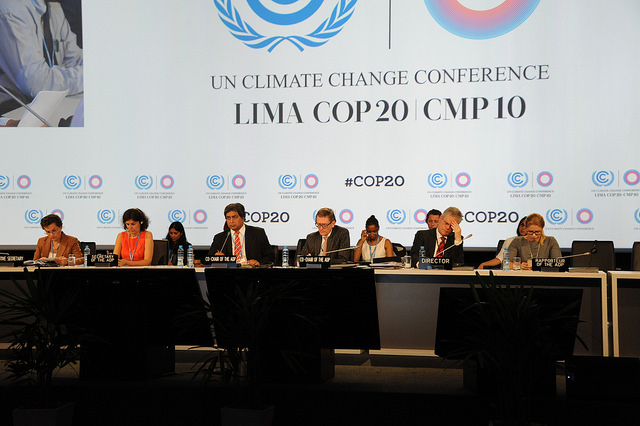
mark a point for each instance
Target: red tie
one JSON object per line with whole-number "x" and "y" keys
{"x": 440, "y": 247}
{"x": 237, "y": 247}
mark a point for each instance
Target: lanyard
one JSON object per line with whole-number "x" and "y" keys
{"x": 373, "y": 251}
{"x": 132, "y": 253}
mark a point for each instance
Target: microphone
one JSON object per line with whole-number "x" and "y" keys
{"x": 27, "y": 107}
{"x": 343, "y": 249}
{"x": 4, "y": 254}
{"x": 224, "y": 242}
{"x": 464, "y": 238}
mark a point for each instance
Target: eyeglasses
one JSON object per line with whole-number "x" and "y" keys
{"x": 534, "y": 232}
{"x": 323, "y": 225}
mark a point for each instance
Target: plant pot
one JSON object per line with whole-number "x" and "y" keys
{"x": 61, "y": 416}
{"x": 235, "y": 416}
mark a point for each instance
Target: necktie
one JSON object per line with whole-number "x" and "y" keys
{"x": 323, "y": 249}
{"x": 237, "y": 247}
{"x": 440, "y": 247}
{"x": 49, "y": 49}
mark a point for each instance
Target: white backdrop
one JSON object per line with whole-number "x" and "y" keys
{"x": 177, "y": 121}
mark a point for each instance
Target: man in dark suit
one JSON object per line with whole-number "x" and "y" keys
{"x": 328, "y": 238}
{"x": 248, "y": 243}
{"x": 435, "y": 241}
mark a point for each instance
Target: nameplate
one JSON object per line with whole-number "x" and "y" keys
{"x": 550, "y": 265}
{"x": 314, "y": 261}
{"x": 220, "y": 261}
{"x": 435, "y": 263}
{"x": 100, "y": 259}
{"x": 11, "y": 260}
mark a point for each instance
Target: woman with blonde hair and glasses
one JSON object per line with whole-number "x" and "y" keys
{"x": 534, "y": 244}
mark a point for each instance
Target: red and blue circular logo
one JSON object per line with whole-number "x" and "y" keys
{"x": 420, "y": 216}
{"x": 24, "y": 182}
{"x": 200, "y": 216}
{"x": 631, "y": 177}
{"x": 480, "y": 24}
{"x": 346, "y": 216}
{"x": 238, "y": 181}
{"x": 584, "y": 216}
{"x": 95, "y": 182}
{"x": 545, "y": 178}
{"x": 167, "y": 181}
{"x": 311, "y": 181}
{"x": 463, "y": 179}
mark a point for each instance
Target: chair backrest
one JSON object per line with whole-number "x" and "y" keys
{"x": 160, "y": 252}
{"x": 399, "y": 250}
{"x": 635, "y": 256}
{"x": 604, "y": 256}
{"x": 91, "y": 244}
{"x": 499, "y": 246}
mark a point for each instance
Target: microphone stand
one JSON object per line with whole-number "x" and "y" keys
{"x": 27, "y": 107}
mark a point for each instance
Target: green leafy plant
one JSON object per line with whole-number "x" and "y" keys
{"x": 245, "y": 324}
{"x": 43, "y": 338}
{"x": 514, "y": 340}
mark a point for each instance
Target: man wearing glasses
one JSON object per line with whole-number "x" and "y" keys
{"x": 445, "y": 240}
{"x": 330, "y": 239}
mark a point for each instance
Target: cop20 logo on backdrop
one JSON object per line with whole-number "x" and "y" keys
{"x": 477, "y": 24}
{"x": 268, "y": 23}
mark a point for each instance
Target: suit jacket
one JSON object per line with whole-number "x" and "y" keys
{"x": 427, "y": 238}
{"x": 339, "y": 239}
{"x": 68, "y": 244}
{"x": 256, "y": 244}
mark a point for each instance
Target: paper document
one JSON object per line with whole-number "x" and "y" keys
{"x": 45, "y": 104}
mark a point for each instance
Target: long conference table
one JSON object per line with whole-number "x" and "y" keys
{"x": 407, "y": 299}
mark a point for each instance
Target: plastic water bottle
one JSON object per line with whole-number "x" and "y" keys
{"x": 87, "y": 253}
{"x": 285, "y": 257}
{"x": 180, "y": 256}
{"x": 190, "y": 256}
{"x": 505, "y": 259}
{"x": 421, "y": 256}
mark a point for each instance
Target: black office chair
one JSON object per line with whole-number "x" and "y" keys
{"x": 601, "y": 254}
{"x": 635, "y": 256}
{"x": 499, "y": 247}
{"x": 399, "y": 250}
{"x": 160, "y": 252}
{"x": 91, "y": 244}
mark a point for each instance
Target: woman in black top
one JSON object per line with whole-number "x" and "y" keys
{"x": 177, "y": 237}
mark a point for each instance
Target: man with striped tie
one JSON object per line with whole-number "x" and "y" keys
{"x": 249, "y": 244}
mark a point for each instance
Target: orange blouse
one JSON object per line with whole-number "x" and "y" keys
{"x": 132, "y": 245}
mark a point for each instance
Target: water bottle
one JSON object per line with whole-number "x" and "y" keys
{"x": 505, "y": 259}
{"x": 285, "y": 257}
{"x": 422, "y": 255}
{"x": 190, "y": 256}
{"x": 180, "y": 256}
{"x": 87, "y": 253}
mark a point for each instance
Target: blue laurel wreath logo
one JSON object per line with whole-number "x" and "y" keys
{"x": 106, "y": 216}
{"x": 287, "y": 181}
{"x": 602, "y": 177}
{"x": 177, "y": 215}
{"x": 4, "y": 182}
{"x": 557, "y": 216}
{"x": 636, "y": 215}
{"x": 518, "y": 179}
{"x": 396, "y": 216}
{"x": 437, "y": 180}
{"x": 241, "y": 30}
{"x": 72, "y": 182}
{"x": 32, "y": 216}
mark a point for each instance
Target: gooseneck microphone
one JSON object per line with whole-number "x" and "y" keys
{"x": 27, "y": 107}
{"x": 224, "y": 242}
{"x": 343, "y": 249}
{"x": 464, "y": 238}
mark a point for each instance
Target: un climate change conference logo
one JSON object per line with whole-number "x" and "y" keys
{"x": 396, "y": 216}
{"x": 33, "y": 216}
{"x": 480, "y": 24}
{"x": 267, "y": 23}
{"x": 106, "y": 216}
{"x": 557, "y": 216}
{"x": 287, "y": 181}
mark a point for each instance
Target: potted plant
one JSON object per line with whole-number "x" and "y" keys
{"x": 43, "y": 340}
{"x": 244, "y": 319}
{"x": 514, "y": 339}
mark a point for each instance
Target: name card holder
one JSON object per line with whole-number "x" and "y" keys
{"x": 314, "y": 261}
{"x": 220, "y": 262}
{"x": 103, "y": 260}
{"x": 435, "y": 263}
{"x": 550, "y": 265}
{"x": 11, "y": 260}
